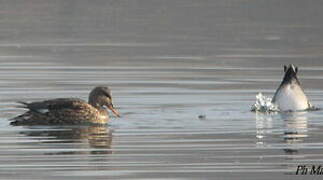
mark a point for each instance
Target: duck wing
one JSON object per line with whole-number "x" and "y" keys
{"x": 43, "y": 107}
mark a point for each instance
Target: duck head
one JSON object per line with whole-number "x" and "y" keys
{"x": 101, "y": 97}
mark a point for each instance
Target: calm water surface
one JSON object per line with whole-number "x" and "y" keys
{"x": 167, "y": 63}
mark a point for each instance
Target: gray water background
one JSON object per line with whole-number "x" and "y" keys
{"x": 167, "y": 62}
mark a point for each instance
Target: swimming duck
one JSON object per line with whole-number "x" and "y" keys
{"x": 290, "y": 95}
{"x": 68, "y": 111}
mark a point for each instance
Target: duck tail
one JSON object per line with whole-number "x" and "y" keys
{"x": 24, "y": 119}
{"x": 22, "y": 104}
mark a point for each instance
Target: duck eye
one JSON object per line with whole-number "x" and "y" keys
{"x": 107, "y": 95}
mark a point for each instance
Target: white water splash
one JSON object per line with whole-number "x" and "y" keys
{"x": 264, "y": 104}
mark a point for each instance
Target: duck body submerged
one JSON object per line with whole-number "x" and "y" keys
{"x": 290, "y": 95}
{"x": 68, "y": 111}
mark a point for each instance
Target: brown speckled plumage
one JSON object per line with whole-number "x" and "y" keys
{"x": 68, "y": 111}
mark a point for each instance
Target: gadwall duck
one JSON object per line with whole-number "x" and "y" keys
{"x": 68, "y": 111}
{"x": 290, "y": 95}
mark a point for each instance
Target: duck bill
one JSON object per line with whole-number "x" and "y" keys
{"x": 115, "y": 112}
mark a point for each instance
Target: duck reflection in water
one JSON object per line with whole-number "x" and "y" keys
{"x": 295, "y": 129}
{"x": 95, "y": 139}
